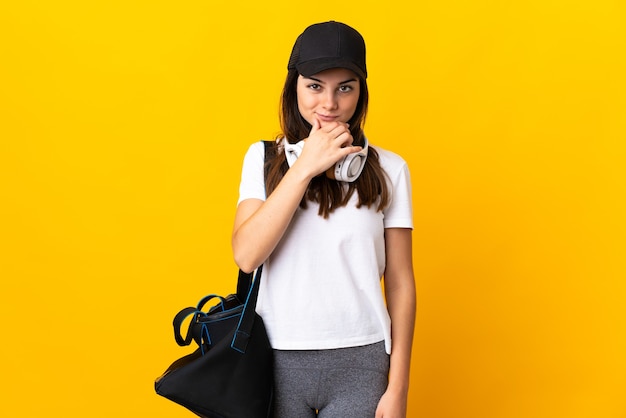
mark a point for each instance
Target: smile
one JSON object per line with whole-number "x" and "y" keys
{"x": 327, "y": 118}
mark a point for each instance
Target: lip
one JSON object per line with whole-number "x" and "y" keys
{"x": 327, "y": 118}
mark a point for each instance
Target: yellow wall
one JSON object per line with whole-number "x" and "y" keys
{"x": 122, "y": 128}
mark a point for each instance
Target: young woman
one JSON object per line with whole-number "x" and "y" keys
{"x": 328, "y": 215}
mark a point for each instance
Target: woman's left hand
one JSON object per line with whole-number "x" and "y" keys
{"x": 392, "y": 405}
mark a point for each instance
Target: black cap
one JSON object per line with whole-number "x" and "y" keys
{"x": 328, "y": 45}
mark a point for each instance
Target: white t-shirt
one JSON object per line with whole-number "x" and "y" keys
{"x": 321, "y": 287}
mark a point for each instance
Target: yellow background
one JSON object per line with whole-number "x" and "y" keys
{"x": 122, "y": 129}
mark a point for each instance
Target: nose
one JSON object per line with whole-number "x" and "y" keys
{"x": 330, "y": 100}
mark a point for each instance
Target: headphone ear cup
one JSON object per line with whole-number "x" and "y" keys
{"x": 350, "y": 167}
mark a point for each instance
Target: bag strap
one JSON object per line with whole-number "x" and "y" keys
{"x": 244, "y": 281}
{"x": 244, "y": 328}
{"x": 270, "y": 152}
{"x": 245, "y": 287}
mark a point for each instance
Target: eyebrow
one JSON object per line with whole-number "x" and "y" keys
{"x": 320, "y": 81}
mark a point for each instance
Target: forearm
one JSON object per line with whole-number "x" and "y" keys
{"x": 400, "y": 294}
{"x": 259, "y": 226}
{"x": 401, "y": 305}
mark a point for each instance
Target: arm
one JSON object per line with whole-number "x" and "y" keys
{"x": 259, "y": 225}
{"x": 400, "y": 295}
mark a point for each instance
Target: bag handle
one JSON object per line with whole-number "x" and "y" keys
{"x": 196, "y": 312}
{"x": 207, "y": 298}
{"x": 178, "y": 322}
{"x": 244, "y": 328}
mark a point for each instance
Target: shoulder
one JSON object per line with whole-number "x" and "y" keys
{"x": 398, "y": 213}
{"x": 257, "y": 148}
{"x": 256, "y": 152}
{"x": 260, "y": 146}
{"x": 389, "y": 160}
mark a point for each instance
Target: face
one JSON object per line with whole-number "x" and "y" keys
{"x": 328, "y": 96}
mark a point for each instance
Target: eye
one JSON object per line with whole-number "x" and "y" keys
{"x": 345, "y": 88}
{"x": 314, "y": 86}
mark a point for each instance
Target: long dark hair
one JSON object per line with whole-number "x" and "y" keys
{"x": 371, "y": 186}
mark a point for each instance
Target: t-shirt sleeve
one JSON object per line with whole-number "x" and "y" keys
{"x": 252, "y": 185}
{"x": 399, "y": 213}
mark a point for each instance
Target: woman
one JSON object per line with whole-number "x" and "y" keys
{"x": 327, "y": 220}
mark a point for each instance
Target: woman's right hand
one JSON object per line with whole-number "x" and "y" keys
{"x": 325, "y": 145}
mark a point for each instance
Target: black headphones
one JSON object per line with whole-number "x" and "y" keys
{"x": 347, "y": 169}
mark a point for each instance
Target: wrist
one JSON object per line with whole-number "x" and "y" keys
{"x": 398, "y": 387}
{"x": 299, "y": 174}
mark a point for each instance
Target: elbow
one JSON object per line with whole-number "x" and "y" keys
{"x": 245, "y": 259}
{"x": 245, "y": 265}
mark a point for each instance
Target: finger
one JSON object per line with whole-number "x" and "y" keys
{"x": 317, "y": 125}
{"x": 351, "y": 150}
{"x": 338, "y": 130}
{"x": 344, "y": 138}
{"x": 338, "y": 125}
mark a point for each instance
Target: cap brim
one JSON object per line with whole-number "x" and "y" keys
{"x": 313, "y": 67}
